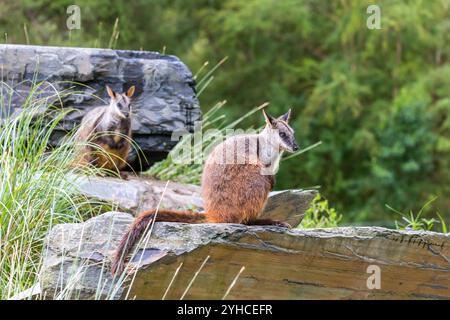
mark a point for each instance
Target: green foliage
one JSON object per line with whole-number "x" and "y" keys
{"x": 320, "y": 215}
{"x": 377, "y": 99}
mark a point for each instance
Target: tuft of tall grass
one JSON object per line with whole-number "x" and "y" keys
{"x": 412, "y": 221}
{"x": 37, "y": 189}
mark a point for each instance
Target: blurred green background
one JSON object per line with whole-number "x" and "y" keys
{"x": 379, "y": 100}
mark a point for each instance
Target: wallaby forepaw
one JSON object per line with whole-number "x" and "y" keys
{"x": 124, "y": 175}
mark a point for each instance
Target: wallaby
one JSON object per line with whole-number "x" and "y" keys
{"x": 105, "y": 133}
{"x": 237, "y": 178}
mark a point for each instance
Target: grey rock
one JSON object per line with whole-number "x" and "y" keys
{"x": 276, "y": 263}
{"x": 288, "y": 205}
{"x": 165, "y": 100}
{"x": 75, "y": 257}
{"x": 140, "y": 194}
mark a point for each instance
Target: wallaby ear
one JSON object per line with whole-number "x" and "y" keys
{"x": 130, "y": 91}
{"x": 285, "y": 117}
{"x": 110, "y": 92}
{"x": 269, "y": 118}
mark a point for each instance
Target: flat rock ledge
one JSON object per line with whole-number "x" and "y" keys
{"x": 212, "y": 261}
{"x": 137, "y": 194}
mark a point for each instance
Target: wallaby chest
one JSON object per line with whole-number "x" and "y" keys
{"x": 116, "y": 136}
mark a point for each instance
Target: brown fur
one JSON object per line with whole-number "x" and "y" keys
{"x": 104, "y": 135}
{"x": 232, "y": 193}
{"x": 108, "y": 151}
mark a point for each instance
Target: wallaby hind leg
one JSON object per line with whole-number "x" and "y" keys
{"x": 269, "y": 222}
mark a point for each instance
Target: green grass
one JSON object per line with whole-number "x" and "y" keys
{"x": 413, "y": 221}
{"x": 36, "y": 191}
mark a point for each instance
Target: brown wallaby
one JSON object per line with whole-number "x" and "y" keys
{"x": 237, "y": 178}
{"x": 105, "y": 133}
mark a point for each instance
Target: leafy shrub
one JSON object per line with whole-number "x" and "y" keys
{"x": 320, "y": 215}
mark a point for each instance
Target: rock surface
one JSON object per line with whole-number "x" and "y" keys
{"x": 279, "y": 263}
{"x": 139, "y": 194}
{"x": 165, "y": 100}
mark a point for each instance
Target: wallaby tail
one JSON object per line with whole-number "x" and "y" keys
{"x": 140, "y": 224}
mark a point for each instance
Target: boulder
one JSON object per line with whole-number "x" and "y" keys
{"x": 165, "y": 99}
{"x": 214, "y": 261}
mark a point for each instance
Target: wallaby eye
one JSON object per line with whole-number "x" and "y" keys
{"x": 283, "y": 135}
